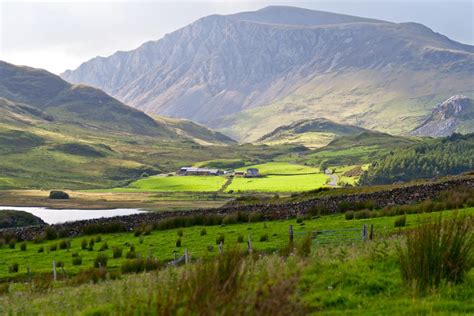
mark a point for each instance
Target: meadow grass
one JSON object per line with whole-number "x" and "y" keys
{"x": 289, "y": 183}
{"x": 179, "y": 183}
{"x": 162, "y": 244}
{"x": 279, "y": 168}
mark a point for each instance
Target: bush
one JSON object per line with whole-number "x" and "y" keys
{"x": 98, "y": 239}
{"x": 264, "y": 237}
{"x": 53, "y": 247}
{"x": 203, "y": 232}
{"x": 139, "y": 265}
{"x": 12, "y": 244}
{"x": 94, "y": 275}
{"x": 401, "y": 221}
{"x": 303, "y": 248}
{"x": 41, "y": 249}
{"x": 178, "y": 242}
{"x": 230, "y": 219}
{"x": 77, "y": 261}
{"x": 299, "y": 220}
{"x": 84, "y": 244}
{"x": 23, "y": 246}
{"x": 50, "y": 233}
{"x": 104, "y": 247}
{"x": 437, "y": 251}
{"x": 255, "y": 217}
{"x": 117, "y": 252}
{"x": 100, "y": 260}
{"x": 180, "y": 233}
{"x": 113, "y": 227}
{"x": 63, "y": 244}
{"x": 363, "y": 214}
{"x": 13, "y": 268}
{"x": 240, "y": 238}
{"x": 349, "y": 215}
{"x": 220, "y": 239}
{"x": 58, "y": 195}
{"x": 131, "y": 255}
{"x": 91, "y": 244}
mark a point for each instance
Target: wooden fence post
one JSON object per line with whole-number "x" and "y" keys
{"x": 28, "y": 272}
{"x": 249, "y": 244}
{"x": 371, "y": 236}
{"x": 54, "y": 270}
{"x": 364, "y": 232}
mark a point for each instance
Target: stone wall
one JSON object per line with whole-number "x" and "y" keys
{"x": 398, "y": 196}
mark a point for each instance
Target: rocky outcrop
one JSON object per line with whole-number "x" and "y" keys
{"x": 398, "y": 196}
{"x": 447, "y": 117}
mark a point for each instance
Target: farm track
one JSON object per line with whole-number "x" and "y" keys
{"x": 226, "y": 184}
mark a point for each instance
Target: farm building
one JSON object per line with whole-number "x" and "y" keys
{"x": 252, "y": 173}
{"x": 188, "y": 171}
{"x": 239, "y": 173}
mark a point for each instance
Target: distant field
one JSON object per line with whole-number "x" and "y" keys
{"x": 162, "y": 244}
{"x": 270, "y": 168}
{"x": 290, "y": 183}
{"x": 179, "y": 183}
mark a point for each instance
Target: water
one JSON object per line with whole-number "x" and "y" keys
{"x": 52, "y": 216}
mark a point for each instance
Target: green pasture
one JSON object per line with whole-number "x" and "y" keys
{"x": 281, "y": 168}
{"x": 162, "y": 244}
{"x": 178, "y": 183}
{"x": 290, "y": 183}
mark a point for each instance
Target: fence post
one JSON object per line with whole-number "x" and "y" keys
{"x": 371, "y": 236}
{"x": 54, "y": 269}
{"x": 28, "y": 272}
{"x": 186, "y": 256}
{"x": 364, "y": 232}
{"x": 221, "y": 247}
{"x": 249, "y": 244}
{"x": 290, "y": 231}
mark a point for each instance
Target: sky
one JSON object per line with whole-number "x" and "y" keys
{"x": 59, "y": 35}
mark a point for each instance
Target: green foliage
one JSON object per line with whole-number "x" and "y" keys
{"x": 101, "y": 260}
{"x": 84, "y": 244}
{"x": 113, "y": 227}
{"x": 23, "y": 246}
{"x": 263, "y": 237}
{"x": 437, "y": 251}
{"x": 77, "y": 261}
{"x": 117, "y": 252}
{"x": 13, "y": 268}
{"x": 178, "y": 242}
{"x": 439, "y": 157}
{"x": 220, "y": 239}
{"x": 10, "y": 218}
{"x": 203, "y": 232}
{"x": 58, "y": 195}
{"x": 401, "y": 221}
{"x": 349, "y": 215}
{"x": 139, "y": 265}
{"x": 303, "y": 248}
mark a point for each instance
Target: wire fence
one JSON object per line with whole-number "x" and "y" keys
{"x": 335, "y": 236}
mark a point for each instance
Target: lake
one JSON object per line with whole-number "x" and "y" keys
{"x": 54, "y": 216}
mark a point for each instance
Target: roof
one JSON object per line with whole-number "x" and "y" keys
{"x": 252, "y": 170}
{"x": 194, "y": 169}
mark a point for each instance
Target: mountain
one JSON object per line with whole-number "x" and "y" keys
{"x": 311, "y": 133}
{"x": 249, "y": 73}
{"x": 456, "y": 114}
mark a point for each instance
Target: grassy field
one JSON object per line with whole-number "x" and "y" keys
{"x": 162, "y": 244}
{"x": 290, "y": 183}
{"x": 281, "y": 168}
{"x": 179, "y": 183}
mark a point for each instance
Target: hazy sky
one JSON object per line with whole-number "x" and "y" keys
{"x": 60, "y": 35}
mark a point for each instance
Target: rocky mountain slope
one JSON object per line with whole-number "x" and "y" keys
{"x": 456, "y": 114}
{"x": 312, "y": 133}
{"x": 248, "y": 73}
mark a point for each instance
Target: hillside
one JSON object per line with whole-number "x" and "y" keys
{"x": 438, "y": 157}
{"x": 56, "y": 135}
{"x": 456, "y": 114}
{"x": 313, "y": 133}
{"x": 230, "y": 72}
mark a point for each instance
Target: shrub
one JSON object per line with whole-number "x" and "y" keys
{"x": 264, "y": 237}
{"x": 91, "y": 244}
{"x": 147, "y": 230}
{"x": 38, "y": 239}
{"x": 349, "y": 215}
{"x": 84, "y": 244}
{"x": 58, "y": 195}
{"x": 53, "y": 247}
{"x": 94, "y": 275}
{"x": 50, "y": 233}
{"x": 240, "y": 238}
{"x": 299, "y": 220}
{"x": 117, "y": 252}
{"x": 41, "y": 249}
{"x": 178, "y": 242}
{"x": 12, "y": 244}
{"x": 100, "y": 260}
{"x": 42, "y": 283}
{"x": 76, "y": 261}
{"x": 230, "y": 219}
{"x": 113, "y": 227}
{"x": 13, "y": 268}
{"x": 98, "y": 239}
{"x": 137, "y": 232}
{"x": 220, "y": 239}
{"x": 203, "y": 232}
{"x": 63, "y": 244}
{"x": 303, "y": 248}
{"x": 141, "y": 240}
{"x": 437, "y": 251}
{"x": 131, "y": 255}
{"x": 180, "y": 232}
{"x": 363, "y": 214}
{"x": 74, "y": 254}
{"x": 401, "y": 221}
{"x": 23, "y": 246}
{"x": 104, "y": 247}
{"x": 139, "y": 265}
{"x": 255, "y": 217}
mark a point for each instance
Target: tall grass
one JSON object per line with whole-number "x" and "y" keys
{"x": 438, "y": 251}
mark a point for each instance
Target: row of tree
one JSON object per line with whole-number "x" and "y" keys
{"x": 438, "y": 157}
